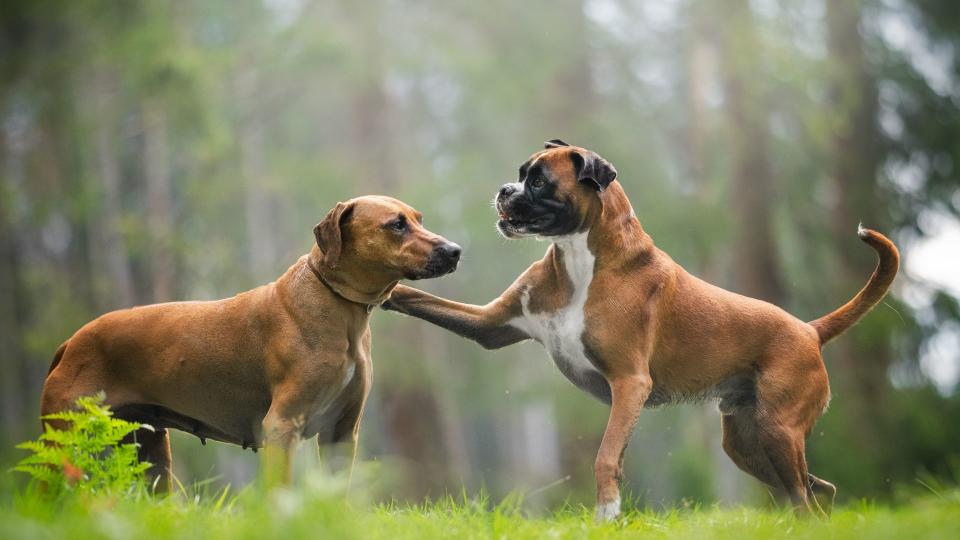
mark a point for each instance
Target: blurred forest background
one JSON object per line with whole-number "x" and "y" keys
{"x": 152, "y": 151}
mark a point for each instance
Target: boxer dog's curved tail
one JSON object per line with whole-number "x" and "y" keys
{"x": 57, "y": 356}
{"x": 836, "y": 322}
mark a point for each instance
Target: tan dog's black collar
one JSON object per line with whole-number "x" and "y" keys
{"x": 316, "y": 272}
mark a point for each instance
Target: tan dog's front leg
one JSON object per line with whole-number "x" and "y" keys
{"x": 629, "y": 393}
{"x": 487, "y": 325}
{"x": 281, "y": 435}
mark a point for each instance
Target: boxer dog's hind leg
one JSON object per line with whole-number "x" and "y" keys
{"x": 822, "y": 492}
{"x": 784, "y": 448}
{"x": 742, "y": 446}
{"x": 787, "y": 410}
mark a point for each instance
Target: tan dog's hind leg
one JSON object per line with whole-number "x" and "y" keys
{"x": 155, "y": 449}
{"x": 70, "y": 380}
{"x": 628, "y": 394}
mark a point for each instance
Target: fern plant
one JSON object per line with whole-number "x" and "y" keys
{"x": 87, "y": 457}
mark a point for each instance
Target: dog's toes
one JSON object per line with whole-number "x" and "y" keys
{"x": 607, "y": 511}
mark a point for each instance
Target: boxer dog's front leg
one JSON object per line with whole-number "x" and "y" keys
{"x": 629, "y": 393}
{"x": 487, "y": 325}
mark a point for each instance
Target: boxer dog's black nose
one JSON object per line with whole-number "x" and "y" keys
{"x": 506, "y": 190}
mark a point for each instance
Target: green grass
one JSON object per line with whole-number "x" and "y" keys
{"x": 94, "y": 488}
{"x": 317, "y": 510}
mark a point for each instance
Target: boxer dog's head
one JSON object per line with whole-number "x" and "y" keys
{"x": 555, "y": 194}
{"x": 382, "y": 239}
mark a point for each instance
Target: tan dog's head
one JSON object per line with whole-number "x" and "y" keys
{"x": 381, "y": 239}
{"x": 556, "y": 193}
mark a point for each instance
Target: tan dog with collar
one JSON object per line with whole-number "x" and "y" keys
{"x": 627, "y": 324}
{"x": 268, "y": 367}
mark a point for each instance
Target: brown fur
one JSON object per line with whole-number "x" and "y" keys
{"x": 272, "y": 365}
{"x": 658, "y": 334}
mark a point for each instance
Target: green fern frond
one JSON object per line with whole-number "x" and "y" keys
{"x": 88, "y": 456}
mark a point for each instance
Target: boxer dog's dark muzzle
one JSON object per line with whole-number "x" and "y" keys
{"x": 525, "y": 210}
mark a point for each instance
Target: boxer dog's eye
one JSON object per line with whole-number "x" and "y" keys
{"x": 537, "y": 182}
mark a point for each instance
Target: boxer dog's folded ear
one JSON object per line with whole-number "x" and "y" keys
{"x": 554, "y": 143}
{"x": 328, "y": 234}
{"x": 593, "y": 169}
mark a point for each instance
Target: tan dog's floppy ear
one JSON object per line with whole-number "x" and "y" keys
{"x": 593, "y": 170}
{"x": 328, "y": 234}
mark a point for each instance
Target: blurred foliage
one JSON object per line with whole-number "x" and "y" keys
{"x": 85, "y": 457}
{"x": 153, "y": 151}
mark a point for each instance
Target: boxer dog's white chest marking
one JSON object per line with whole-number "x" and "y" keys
{"x": 561, "y": 331}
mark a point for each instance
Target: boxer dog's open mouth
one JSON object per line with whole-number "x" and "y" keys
{"x": 526, "y": 226}
{"x": 542, "y": 219}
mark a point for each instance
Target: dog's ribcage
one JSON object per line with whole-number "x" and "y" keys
{"x": 561, "y": 331}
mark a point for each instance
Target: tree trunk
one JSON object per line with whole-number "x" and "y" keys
{"x": 373, "y": 136}
{"x": 160, "y": 220}
{"x": 437, "y": 356}
{"x": 729, "y": 483}
{"x": 12, "y": 399}
{"x": 755, "y": 271}
{"x": 109, "y": 252}
{"x": 755, "y": 267}
{"x": 259, "y": 200}
{"x": 860, "y": 376}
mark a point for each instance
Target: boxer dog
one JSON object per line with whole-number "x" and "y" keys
{"x": 268, "y": 367}
{"x": 627, "y": 324}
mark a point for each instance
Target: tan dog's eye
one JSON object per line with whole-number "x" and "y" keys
{"x": 538, "y": 182}
{"x": 398, "y": 225}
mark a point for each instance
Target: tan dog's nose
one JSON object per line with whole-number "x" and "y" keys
{"x": 449, "y": 251}
{"x": 443, "y": 259}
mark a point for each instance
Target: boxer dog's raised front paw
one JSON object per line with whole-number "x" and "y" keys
{"x": 398, "y": 297}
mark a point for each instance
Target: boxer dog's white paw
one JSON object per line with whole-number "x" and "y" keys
{"x": 608, "y": 511}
